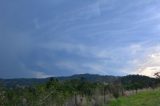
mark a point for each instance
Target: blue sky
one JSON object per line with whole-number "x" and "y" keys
{"x": 63, "y": 37}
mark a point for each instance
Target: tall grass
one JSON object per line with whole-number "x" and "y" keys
{"x": 144, "y": 98}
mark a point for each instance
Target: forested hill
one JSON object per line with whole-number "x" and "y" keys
{"x": 138, "y": 81}
{"x": 91, "y": 77}
{"x": 35, "y": 81}
{"x": 126, "y": 80}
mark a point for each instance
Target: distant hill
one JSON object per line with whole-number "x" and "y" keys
{"x": 90, "y": 77}
{"x": 22, "y": 82}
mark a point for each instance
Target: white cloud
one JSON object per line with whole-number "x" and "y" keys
{"x": 150, "y": 64}
{"x": 149, "y": 71}
{"x": 37, "y": 74}
{"x": 32, "y": 73}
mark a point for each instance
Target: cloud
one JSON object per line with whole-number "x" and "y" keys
{"x": 31, "y": 72}
{"x": 66, "y": 37}
{"x": 150, "y": 64}
{"x": 106, "y": 60}
{"x": 40, "y": 75}
{"x": 96, "y": 68}
{"x": 73, "y": 48}
{"x": 135, "y": 48}
{"x": 81, "y": 68}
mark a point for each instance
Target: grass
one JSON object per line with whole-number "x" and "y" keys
{"x": 146, "y": 98}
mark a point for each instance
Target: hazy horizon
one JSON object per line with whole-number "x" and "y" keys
{"x": 40, "y": 38}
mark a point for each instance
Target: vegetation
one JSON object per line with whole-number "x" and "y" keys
{"x": 77, "y": 91}
{"x": 146, "y": 98}
{"x": 135, "y": 82}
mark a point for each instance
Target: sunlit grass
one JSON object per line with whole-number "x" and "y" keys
{"x": 146, "y": 98}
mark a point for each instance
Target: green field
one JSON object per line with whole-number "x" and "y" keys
{"x": 146, "y": 98}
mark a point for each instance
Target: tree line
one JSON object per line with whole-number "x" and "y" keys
{"x": 73, "y": 92}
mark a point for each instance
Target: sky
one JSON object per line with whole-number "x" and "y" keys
{"x": 44, "y": 38}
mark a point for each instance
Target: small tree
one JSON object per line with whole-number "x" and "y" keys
{"x": 157, "y": 75}
{"x": 116, "y": 88}
{"x": 3, "y": 99}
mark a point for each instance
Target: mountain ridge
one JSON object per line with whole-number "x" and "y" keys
{"x": 90, "y": 77}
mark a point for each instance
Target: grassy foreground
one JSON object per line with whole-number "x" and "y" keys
{"x": 146, "y": 98}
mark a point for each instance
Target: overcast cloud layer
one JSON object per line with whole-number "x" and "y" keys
{"x": 42, "y": 38}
